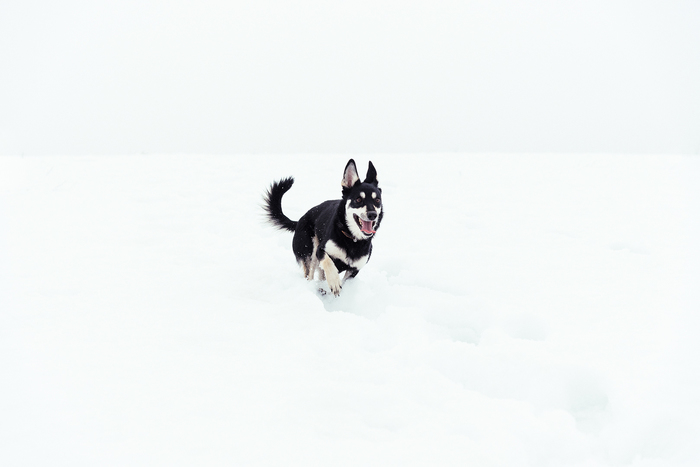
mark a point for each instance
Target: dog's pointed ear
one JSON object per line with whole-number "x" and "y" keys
{"x": 350, "y": 175}
{"x": 371, "y": 175}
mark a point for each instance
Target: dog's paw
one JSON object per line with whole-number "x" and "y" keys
{"x": 335, "y": 286}
{"x": 322, "y": 292}
{"x": 336, "y": 291}
{"x": 332, "y": 277}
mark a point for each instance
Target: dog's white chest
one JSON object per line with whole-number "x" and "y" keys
{"x": 336, "y": 252}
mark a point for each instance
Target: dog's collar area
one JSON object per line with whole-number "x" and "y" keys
{"x": 348, "y": 235}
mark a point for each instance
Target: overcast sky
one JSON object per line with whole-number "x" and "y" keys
{"x": 113, "y": 77}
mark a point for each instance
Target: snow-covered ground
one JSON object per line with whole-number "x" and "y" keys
{"x": 517, "y": 311}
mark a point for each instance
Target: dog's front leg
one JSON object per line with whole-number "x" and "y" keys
{"x": 331, "y": 272}
{"x": 349, "y": 274}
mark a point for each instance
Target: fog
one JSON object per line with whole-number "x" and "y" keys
{"x": 116, "y": 77}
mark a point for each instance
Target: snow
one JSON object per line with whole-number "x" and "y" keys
{"x": 517, "y": 310}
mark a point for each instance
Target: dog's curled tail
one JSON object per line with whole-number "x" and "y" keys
{"x": 273, "y": 204}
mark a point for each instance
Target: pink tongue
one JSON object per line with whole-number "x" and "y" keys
{"x": 367, "y": 226}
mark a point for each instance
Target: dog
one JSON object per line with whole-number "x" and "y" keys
{"x": 336, "y": 235}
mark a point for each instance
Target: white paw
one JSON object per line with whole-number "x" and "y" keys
{"x": 334, "y": 283}
{"x": 332, "y": 276}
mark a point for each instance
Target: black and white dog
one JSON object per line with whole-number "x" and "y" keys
{"x": 336, "y": 235}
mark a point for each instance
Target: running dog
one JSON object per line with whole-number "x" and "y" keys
{"x": 336, "y": 235}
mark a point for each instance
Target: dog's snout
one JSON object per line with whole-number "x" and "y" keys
{"x": 371, "y": 215}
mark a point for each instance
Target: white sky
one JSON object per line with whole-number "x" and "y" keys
{"x": 123, "y": 76}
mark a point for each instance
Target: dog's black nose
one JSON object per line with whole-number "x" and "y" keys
{"x": 371, "y": 215}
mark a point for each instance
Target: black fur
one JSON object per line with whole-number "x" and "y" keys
{"x": 339, "y": 230}
{"x": 273, "y": 204}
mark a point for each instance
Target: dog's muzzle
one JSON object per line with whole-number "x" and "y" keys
{"x": 366, "y": 222}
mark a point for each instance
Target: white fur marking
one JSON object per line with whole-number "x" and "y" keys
{"x": 332, "y": 249}
{"x": 332, "y": 276}
{"x": 374, "y": 195}
{"x": 352, "y": 225}
{"x": 362, "y": 194}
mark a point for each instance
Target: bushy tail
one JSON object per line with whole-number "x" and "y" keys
{"x": 273, "y": 204}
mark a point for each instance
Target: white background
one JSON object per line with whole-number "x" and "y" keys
{"x": 114, "y": 77}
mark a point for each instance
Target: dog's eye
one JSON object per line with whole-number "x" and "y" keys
{"x": 358, "y": 200}
{"x": 377, "y": 201}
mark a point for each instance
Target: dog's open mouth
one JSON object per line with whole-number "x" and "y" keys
{"x": 366, "y": 226}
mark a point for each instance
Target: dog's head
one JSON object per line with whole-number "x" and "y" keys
{"x": 362, "y": 200}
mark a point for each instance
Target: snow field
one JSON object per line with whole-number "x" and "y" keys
{"x": 517, "y": 310}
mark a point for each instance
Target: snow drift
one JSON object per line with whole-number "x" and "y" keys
{"x": 517, "y": 310}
